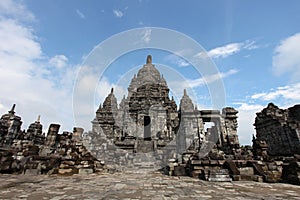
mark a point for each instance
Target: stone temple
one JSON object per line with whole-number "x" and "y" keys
{"x": 148, "y": 131}
{"x": 149, "y": 120}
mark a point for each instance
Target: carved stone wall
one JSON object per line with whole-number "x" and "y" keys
{"x": 279, "y": 129}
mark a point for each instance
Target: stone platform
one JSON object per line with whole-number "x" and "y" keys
{"x": 137, "y": 186}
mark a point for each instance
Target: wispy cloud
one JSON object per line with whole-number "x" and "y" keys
{"x": 118, "y": 13}
{"x": 80, "y": 14}
{"x": 232, "y": 48}
{"x": 288, "y": 92}
{"x": 250, "y": 44}
{"x": 146, "y": 35}
{"x": 178, "y": 85}
{"x": 176, "y": 60}
{"x": 286, "y": 58}
{"x": 210, "y": 78}
{"x": 225, "y": 51}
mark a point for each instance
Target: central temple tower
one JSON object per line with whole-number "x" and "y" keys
{"x": 147, "y": 113}
{"x": 148, "y": 116}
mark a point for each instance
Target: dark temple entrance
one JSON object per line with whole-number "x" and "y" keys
{"x": 147, "y": 128}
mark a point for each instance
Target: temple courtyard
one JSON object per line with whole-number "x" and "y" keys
{"x": 151, "y": 185}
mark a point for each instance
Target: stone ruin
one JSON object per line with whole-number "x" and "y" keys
{"x": 33, "y": 152}
{"x": 278, "y": 139}
{"x": 147, "y": 131}
{"x": 280, "y": 129}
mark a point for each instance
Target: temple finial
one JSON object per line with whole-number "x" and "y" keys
{"x": 38, "y": 119}
{"x": 12, "y": 110}
{"x": 184, "y": 92}
{"x": 112, "y": 90}
{"x": 149, "y": 59}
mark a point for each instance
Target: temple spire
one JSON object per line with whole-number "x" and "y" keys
{"x": 184, "y": 92}
{"x": 38, "y": 119}
{"x": 12, "y": 110}
{"x": 149, "y": 59}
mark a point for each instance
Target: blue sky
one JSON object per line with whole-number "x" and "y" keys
{"x": 255, "y": 45}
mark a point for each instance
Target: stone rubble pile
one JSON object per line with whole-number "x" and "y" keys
{"x": 32, "y": 152}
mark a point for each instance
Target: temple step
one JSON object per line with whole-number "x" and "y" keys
{"x": 219, "y": 175}
{"x": 144, "y": 146}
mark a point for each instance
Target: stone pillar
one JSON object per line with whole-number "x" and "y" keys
{"x": 77, "y": 134}
{"x": 230, "y": 123}
{"x": 52, "y": 134}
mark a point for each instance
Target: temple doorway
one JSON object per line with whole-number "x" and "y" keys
{"x": 147, "y": 128}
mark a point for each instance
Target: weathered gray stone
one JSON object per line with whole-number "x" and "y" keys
{"x": 279, "y": 129}
{"x": 85, "y": 171}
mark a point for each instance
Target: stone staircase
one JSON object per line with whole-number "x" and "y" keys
{"x": 218, "y": 175}
{"x": 143, "y": 163}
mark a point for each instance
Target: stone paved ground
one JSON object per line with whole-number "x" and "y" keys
{"x": 136, "y": 186}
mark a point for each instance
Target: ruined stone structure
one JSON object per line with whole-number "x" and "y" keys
{"x": 279, "y": 129}
{"x": 10, "y": 126}
{"x": 31, "y": 152}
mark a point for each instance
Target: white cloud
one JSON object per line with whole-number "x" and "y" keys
{"x": 24, "y": 78}
{"x": 80, "y": 14}
{"x": 289, "y": 93}
{"x": 246, "y": 119}
{"x": 286, "y": 58}
{"x": 226, "y": 50}
{"x": 13, "y": 9}
{"x": 59, "y": 61}
{"x": 18, "y": 40}
{"x": 118, "y": 13}
{"x": 249, "y": 107}
{"x": 230, "y": 49}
